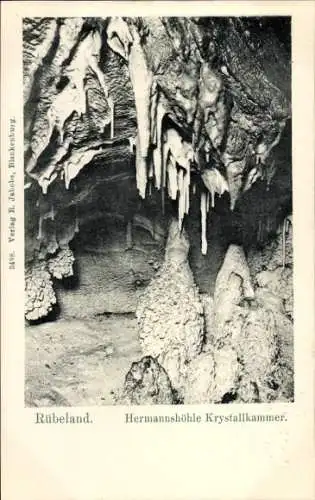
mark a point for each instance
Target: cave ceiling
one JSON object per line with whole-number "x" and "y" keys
{"x": 154, "y": 105}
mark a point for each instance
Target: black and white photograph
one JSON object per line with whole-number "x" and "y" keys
{"x": 158, "y": 213}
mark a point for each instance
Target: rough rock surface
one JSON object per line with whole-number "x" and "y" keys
{"x": 233, "y": 283}
{"x": 272, "y": 268}
{"x": 249, "y": 351}
{"x": 61, "y": 265}
{"x": 39, "y": 292}
{"x": 170, "y": 313}
{"x": 146, "y": 383}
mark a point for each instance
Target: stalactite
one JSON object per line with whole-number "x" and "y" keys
{"x": 72, "y": 98}
{"x": 141, "y": 170}
{"x": 215, "y": 183}
{"x": 154, "y": 98}
{"x": 78, "y": 160}
{"x": 132, "y": 144}
{"x": 264, "y": 148}
{"x": 172, "y": 178}
{"x": 125, "y": 40}
{"x": 47, "y": 175}
{"x": 187, "y": 191}
{"x": 119, "y": 37}
{"x": 111, "y": 105}
{"x": 87, "y": 56}
{"x": 42, "y": 127}
{"x": 40, "y": 228}
{"x": 203, "y": 210}
{"x": 45, "y": 182}
{"x": 158, "y": 150}
{"x": 181, "y": 198}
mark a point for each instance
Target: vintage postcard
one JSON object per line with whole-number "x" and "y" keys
{"x": 157, "y": 264}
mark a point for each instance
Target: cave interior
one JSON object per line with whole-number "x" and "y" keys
{"x": 158, "y": 165}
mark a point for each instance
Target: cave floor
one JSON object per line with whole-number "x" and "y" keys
{"x": 72, "y": 362}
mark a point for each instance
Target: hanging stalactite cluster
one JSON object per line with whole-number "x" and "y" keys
{"x": 186, "y": 96}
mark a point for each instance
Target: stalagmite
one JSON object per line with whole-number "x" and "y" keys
{"x": 203, "y": 209}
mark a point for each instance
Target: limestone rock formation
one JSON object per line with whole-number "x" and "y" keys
{"x": 146, "y": 383}
{"x": 39, "y": 293}
{"x": 130, "y": 123}
{"x": 213, "y": 105}
{"x": 170, "y": 313}
{"x": 249, "y": 355}
{"x": 233, "y": 284}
